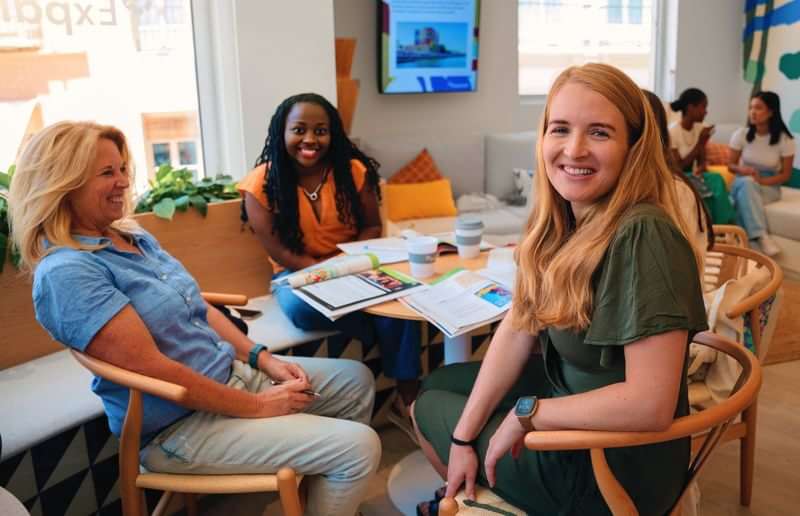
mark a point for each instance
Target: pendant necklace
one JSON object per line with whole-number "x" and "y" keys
{"x": 313, "y": 196}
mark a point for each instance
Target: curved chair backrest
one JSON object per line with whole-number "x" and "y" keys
{"x": 718, "y": 269}
{"x": 711, "y": 422}
{"x": 739, "y": 260}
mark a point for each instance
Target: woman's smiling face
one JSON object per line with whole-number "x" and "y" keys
{"x": 307, "y": 135}
{"x": 585, "y": 145}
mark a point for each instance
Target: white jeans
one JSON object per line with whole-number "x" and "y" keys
{"x": 330, "y": 442}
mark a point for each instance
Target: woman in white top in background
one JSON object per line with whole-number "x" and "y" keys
{"x": 762, "y": 158}
{"x": 688, "y": 138}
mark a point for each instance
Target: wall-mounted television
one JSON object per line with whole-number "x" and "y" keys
{"x": 428, "y": 46}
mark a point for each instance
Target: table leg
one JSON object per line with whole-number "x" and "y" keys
{"x": 457, "y": 349}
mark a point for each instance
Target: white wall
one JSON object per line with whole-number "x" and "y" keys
{"x": 251, "y": 55}
{"x": 283, "y": 48}
{"x": 707, "y": 56}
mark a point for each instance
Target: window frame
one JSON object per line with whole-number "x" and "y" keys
{"x": 661, "y": 39}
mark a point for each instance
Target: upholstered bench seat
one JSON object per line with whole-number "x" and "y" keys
{"x": 274, "y": 329}
{"x": 41, "y": 398}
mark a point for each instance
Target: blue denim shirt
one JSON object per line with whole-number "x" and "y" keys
{"x": 75, "y": 293}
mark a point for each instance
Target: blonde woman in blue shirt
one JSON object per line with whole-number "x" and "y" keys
{"x": 104, "y": 286}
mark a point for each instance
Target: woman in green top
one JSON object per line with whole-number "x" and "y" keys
{"x": 606, "y": 302}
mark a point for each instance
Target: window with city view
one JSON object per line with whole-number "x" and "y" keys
{"x": 128, "y": 63}
{"x": 555, "y": 34}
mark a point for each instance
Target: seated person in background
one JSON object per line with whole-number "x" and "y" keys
{"x": 762, "y": 157}
{"x": 104, "y": 286}
{"x": 688, "y": 138}
{"x": 693, "y": 209}
{"x": 312, "y": 189}
{"x": 606, "y": 302}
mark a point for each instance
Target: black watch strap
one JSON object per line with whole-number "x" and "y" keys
{"x": 458, "y": 442}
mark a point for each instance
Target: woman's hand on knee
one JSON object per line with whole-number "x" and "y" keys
{"x": 462, "y": 468}
{"x": 508, "y": 436}
{"x": 287, "y": 398}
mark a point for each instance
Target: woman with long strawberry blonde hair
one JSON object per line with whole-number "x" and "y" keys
{"x": 607, "y": 299}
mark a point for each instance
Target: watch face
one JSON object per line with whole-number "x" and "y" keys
{"x": 524, "y": 406}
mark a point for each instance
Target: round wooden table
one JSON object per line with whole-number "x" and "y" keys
{"x": 413, "y": 479}
{"x": 456, "y": 349}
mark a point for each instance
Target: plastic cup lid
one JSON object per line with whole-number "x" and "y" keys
{"x": 469, "y": 222}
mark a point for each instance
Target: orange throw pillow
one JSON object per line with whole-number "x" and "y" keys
{"x": 717, "y": 153}
{"x": 421, "y": 169}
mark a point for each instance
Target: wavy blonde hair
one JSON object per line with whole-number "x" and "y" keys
{"x": 558, "y": 256}
{"x": 55, "y": 162}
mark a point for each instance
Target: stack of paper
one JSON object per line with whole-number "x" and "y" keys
{"x": 461, "y": 301}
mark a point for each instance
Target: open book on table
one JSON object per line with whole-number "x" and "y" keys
{"x": 346, "y": 284}
{"x": 461, "y": 301}
{"x": 393, "y": 249}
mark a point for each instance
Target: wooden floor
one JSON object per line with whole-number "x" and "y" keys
{"x": 786, "y": 341}
{"x": 777, "y": 482}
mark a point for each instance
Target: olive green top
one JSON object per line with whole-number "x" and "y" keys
{"x": 647, "y": 284}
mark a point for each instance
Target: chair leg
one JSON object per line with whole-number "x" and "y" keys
{"x": 289, "y": 492}
{"x": 747, "y": 451}
{"x": 190, "y": 501}
{"x": 163, "y": 503}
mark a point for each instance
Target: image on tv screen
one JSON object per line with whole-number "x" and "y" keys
{"x": 426, "y": 46}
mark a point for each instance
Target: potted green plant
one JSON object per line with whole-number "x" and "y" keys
{"x": 176, "y": 190}
{"x": 6, "y": 248}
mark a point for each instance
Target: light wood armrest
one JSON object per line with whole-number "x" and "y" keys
{"x": 681, "y": 427}
{"x": 753, "y": 301}
{"x": 159, "y": 388}
{"x": 216, "y": 298}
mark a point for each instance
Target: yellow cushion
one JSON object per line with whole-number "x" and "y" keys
{"x": 421, "y": 169}
{"x": 726, "y": 174}
{"x": 419, "y": 200}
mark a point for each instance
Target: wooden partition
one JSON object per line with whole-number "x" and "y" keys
{"x": 219, "y": 251}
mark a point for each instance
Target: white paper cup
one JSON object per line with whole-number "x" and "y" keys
{"x": 422, "y": 255}
{"x": 469, "y": 231}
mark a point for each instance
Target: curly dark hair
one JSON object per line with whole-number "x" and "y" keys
{"x": 280, "y": 183}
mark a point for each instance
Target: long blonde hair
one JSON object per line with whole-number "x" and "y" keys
{"x": 55, "y": 162}
{"x": 558, "y": 256}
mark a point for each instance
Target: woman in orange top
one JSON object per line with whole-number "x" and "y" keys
{"x": 312, "y": 189}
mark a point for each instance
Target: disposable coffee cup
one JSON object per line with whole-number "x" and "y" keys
{"x": 469, "y": 232}
{"x": 422, "y": 255}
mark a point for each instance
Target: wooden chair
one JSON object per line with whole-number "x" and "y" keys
{"x": 711, "y": 424}
{"x": 735, "y": 262}
{"x": 717, "y": 269}
{"x": 132, "y": 481}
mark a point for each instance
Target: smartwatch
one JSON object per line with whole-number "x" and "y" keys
{"x": 524, "y": 410}
{"x": 252, "y": 358}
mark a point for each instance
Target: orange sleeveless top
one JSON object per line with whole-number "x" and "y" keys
{"x": 319, "y": 236}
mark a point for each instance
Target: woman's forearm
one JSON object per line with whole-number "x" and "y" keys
{"x": 644, "y": 401}
{"x": 203, "y": 393}
{"x": 508, "y": 353}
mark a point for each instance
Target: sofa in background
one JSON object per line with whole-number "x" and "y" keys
{"x": 476, "y": 165}
{"x": 783, "y": 217}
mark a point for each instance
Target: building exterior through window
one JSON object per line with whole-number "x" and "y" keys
{"x": 555, "y": 34}
{"x": 127, "y": 63}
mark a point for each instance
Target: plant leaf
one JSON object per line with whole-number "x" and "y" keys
{"x": 200, "y": 203}
{"x": 165, "y": 208}
{"x": 182, "y": 202}
{"x": 5, "y": 180}
{"x": 162, "y": 172}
